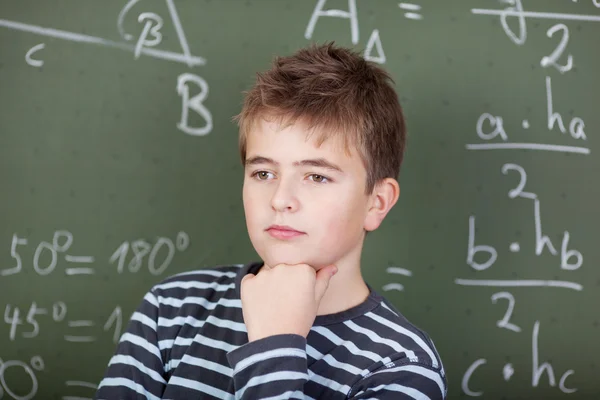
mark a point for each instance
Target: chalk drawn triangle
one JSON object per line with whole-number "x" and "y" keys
{"x": 374, "y": 40}
{"x": 190, "y": 60}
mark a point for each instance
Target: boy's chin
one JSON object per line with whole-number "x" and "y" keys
{"x": 315, "y": 265}
{"x": 272, "y": 260}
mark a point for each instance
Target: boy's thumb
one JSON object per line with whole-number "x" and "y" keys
{"x": 323, "y": 277}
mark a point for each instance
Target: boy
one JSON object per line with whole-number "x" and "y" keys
{"x": 321, "y": 138}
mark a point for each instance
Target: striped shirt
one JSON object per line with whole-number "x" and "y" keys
{"x": 187, "y": 340}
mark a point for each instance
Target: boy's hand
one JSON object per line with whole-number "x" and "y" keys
{"x": 283, "y": 299}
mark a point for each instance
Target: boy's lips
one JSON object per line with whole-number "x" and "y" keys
{"x": 284, "y": 228}
{"x": 283, "y": 232}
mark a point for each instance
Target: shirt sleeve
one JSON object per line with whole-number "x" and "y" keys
{"x": 274, "y": 366}
{"x": 407, "y": 381}
{"x": 136, "y": 370}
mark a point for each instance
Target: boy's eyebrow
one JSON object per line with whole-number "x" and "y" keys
{"x": 313, "y": 162}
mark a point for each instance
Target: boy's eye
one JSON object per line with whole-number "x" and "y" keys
{"x": 319, "y": 178}
{"x": 262, "y": 175}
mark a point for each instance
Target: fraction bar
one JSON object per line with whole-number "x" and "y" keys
{"x": 513, "y": 283}
{"x": 532, "y": 14}
{"x": 528, "y": 146}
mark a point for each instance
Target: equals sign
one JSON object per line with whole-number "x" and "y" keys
{"x": 79, "y": 324}
{"x": 411, "y": 8}
{"x": 79, "y": 260}
{"x": 398, "y": 271}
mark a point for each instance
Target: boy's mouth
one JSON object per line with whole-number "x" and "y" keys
{"x": 283, "y": 232}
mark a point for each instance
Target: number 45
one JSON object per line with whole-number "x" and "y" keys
{"x": 14, "y": 320}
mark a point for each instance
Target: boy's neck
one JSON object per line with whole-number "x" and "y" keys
{"x": 343, "y": 293}
{"x": 347, "y": 288}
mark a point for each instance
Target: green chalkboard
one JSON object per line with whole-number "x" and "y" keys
{"x": 119, "y": 167}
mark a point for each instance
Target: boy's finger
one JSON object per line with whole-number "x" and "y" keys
{"x": 324, "y": 275}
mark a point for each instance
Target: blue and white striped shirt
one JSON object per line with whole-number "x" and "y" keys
{"x": 188, "y": 340}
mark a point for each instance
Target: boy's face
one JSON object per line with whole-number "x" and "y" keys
{"x": 282, "y": 186}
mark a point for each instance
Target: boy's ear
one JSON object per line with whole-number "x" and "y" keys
{"x": 384, "y": 196}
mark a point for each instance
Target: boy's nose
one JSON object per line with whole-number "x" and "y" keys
{"x": 284, "y": 199}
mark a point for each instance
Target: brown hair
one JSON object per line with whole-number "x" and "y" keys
{"x": 337, "y": 91}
